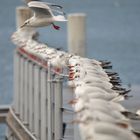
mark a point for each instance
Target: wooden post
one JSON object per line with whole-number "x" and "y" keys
{"x": 77, "y": 44}
{"x": 23, "y": 13}
{"x": 77, "y": 34}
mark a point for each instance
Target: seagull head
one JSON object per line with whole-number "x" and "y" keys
{"x": 26, "y": 23}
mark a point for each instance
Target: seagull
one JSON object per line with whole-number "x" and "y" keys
{"x": 43, "y": 15}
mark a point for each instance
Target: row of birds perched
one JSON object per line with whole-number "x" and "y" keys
{"x": 97, "y": 89}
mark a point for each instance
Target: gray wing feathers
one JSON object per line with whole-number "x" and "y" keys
{"x": 40, "y": 9}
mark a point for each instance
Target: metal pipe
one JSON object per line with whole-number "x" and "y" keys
{"x": 43, "y": 99}
{"x": 37, "y": 101}
{"x": 49, "y": 97}
{"x": 58, "y": 116}
{"x": 16, "y": 82}
{"x": 31, "y": 96}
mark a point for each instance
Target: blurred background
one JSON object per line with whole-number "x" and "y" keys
{"x": 113, "y": 33}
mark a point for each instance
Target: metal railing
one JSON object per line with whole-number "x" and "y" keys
{"x": 38, "y": 98}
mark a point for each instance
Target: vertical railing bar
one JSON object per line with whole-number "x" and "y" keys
{"x": 21, "y": 87}
{"x": 53, "y": 103}
{"x": 43, "y": 104}
{"x": 26, "y": 92}
{"x": 16, "y": 81}
{"x": 58, "y": 117}
{"x": 31, "y": 96}
{"x": 50, "y": 135}
{"x": 36, "y": 100}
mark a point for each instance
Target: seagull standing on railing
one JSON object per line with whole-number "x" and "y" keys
{"x": 43, "y": 15}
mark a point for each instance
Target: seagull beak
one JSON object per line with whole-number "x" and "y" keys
{"x": 73, "y": 102}
{"x": 71, "y": 70}
{"x": 71, "y": 73}
{"x": 55, "y": 27}
{"x": 71, "y": 78}
{"x": 22, "y": 25}
{"x": 76, "y": 121}
{"x": 70, "y": 66}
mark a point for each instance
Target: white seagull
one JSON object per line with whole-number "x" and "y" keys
{"x": 43, "y": 15}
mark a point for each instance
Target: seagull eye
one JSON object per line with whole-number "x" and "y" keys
{"x": 27, "y": 22}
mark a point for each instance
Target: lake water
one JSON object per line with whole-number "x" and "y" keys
{"x": 113, "y": 33}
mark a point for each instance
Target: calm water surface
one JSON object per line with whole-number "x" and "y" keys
{"x": 113, "y": 33}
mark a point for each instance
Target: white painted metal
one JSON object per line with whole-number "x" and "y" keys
{"x": 23, "y": 128}
{"x": 16, "y": 82}
{"x": 77, "y": 34}
{"x": 37, "y": 101}
{"x": 21, "y": 87}
{"x": 58, "y": 122}
{"x": 26, "y": 91}
{"x": 50, "y": 104}
{"x": 43, "y": 89}
{"x": 31, "y": 96}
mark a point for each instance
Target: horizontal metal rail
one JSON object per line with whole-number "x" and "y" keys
{"x": 17, "y": 127}
{"x": 4, "y": 109}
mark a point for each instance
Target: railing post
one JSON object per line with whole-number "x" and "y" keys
{"x": 37, "y": 101}
{"x": 58, "y": 115}
{"x": 26, "y": 93}
{"x": 22, "y": 62}
{"x": 43, "y": 104}
{"x": 16, "y": 82}
{"x": 50, "y": 108}
{"x": 77, "y": 34}
{"x": 31, "y": 96}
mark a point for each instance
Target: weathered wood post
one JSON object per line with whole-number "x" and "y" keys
{"x": 77, "y": 34}
{"x": 22, "y": 13}
{"x": 77, "y": 44}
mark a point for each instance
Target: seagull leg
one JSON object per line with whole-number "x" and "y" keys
{"x": 55, "y": 27}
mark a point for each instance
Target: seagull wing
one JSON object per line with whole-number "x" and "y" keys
{"x": 54, "y": 5}
{"x": 40, "y": 9}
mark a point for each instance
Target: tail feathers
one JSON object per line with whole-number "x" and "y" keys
{"x": 125, "y": 92}
{"x": 104, "y": 62}
{"x": 137, "y": 133}
{"x": 131, "y": 115}
{"x": 107, "y": 67}
{"x": 111, "y": 73}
